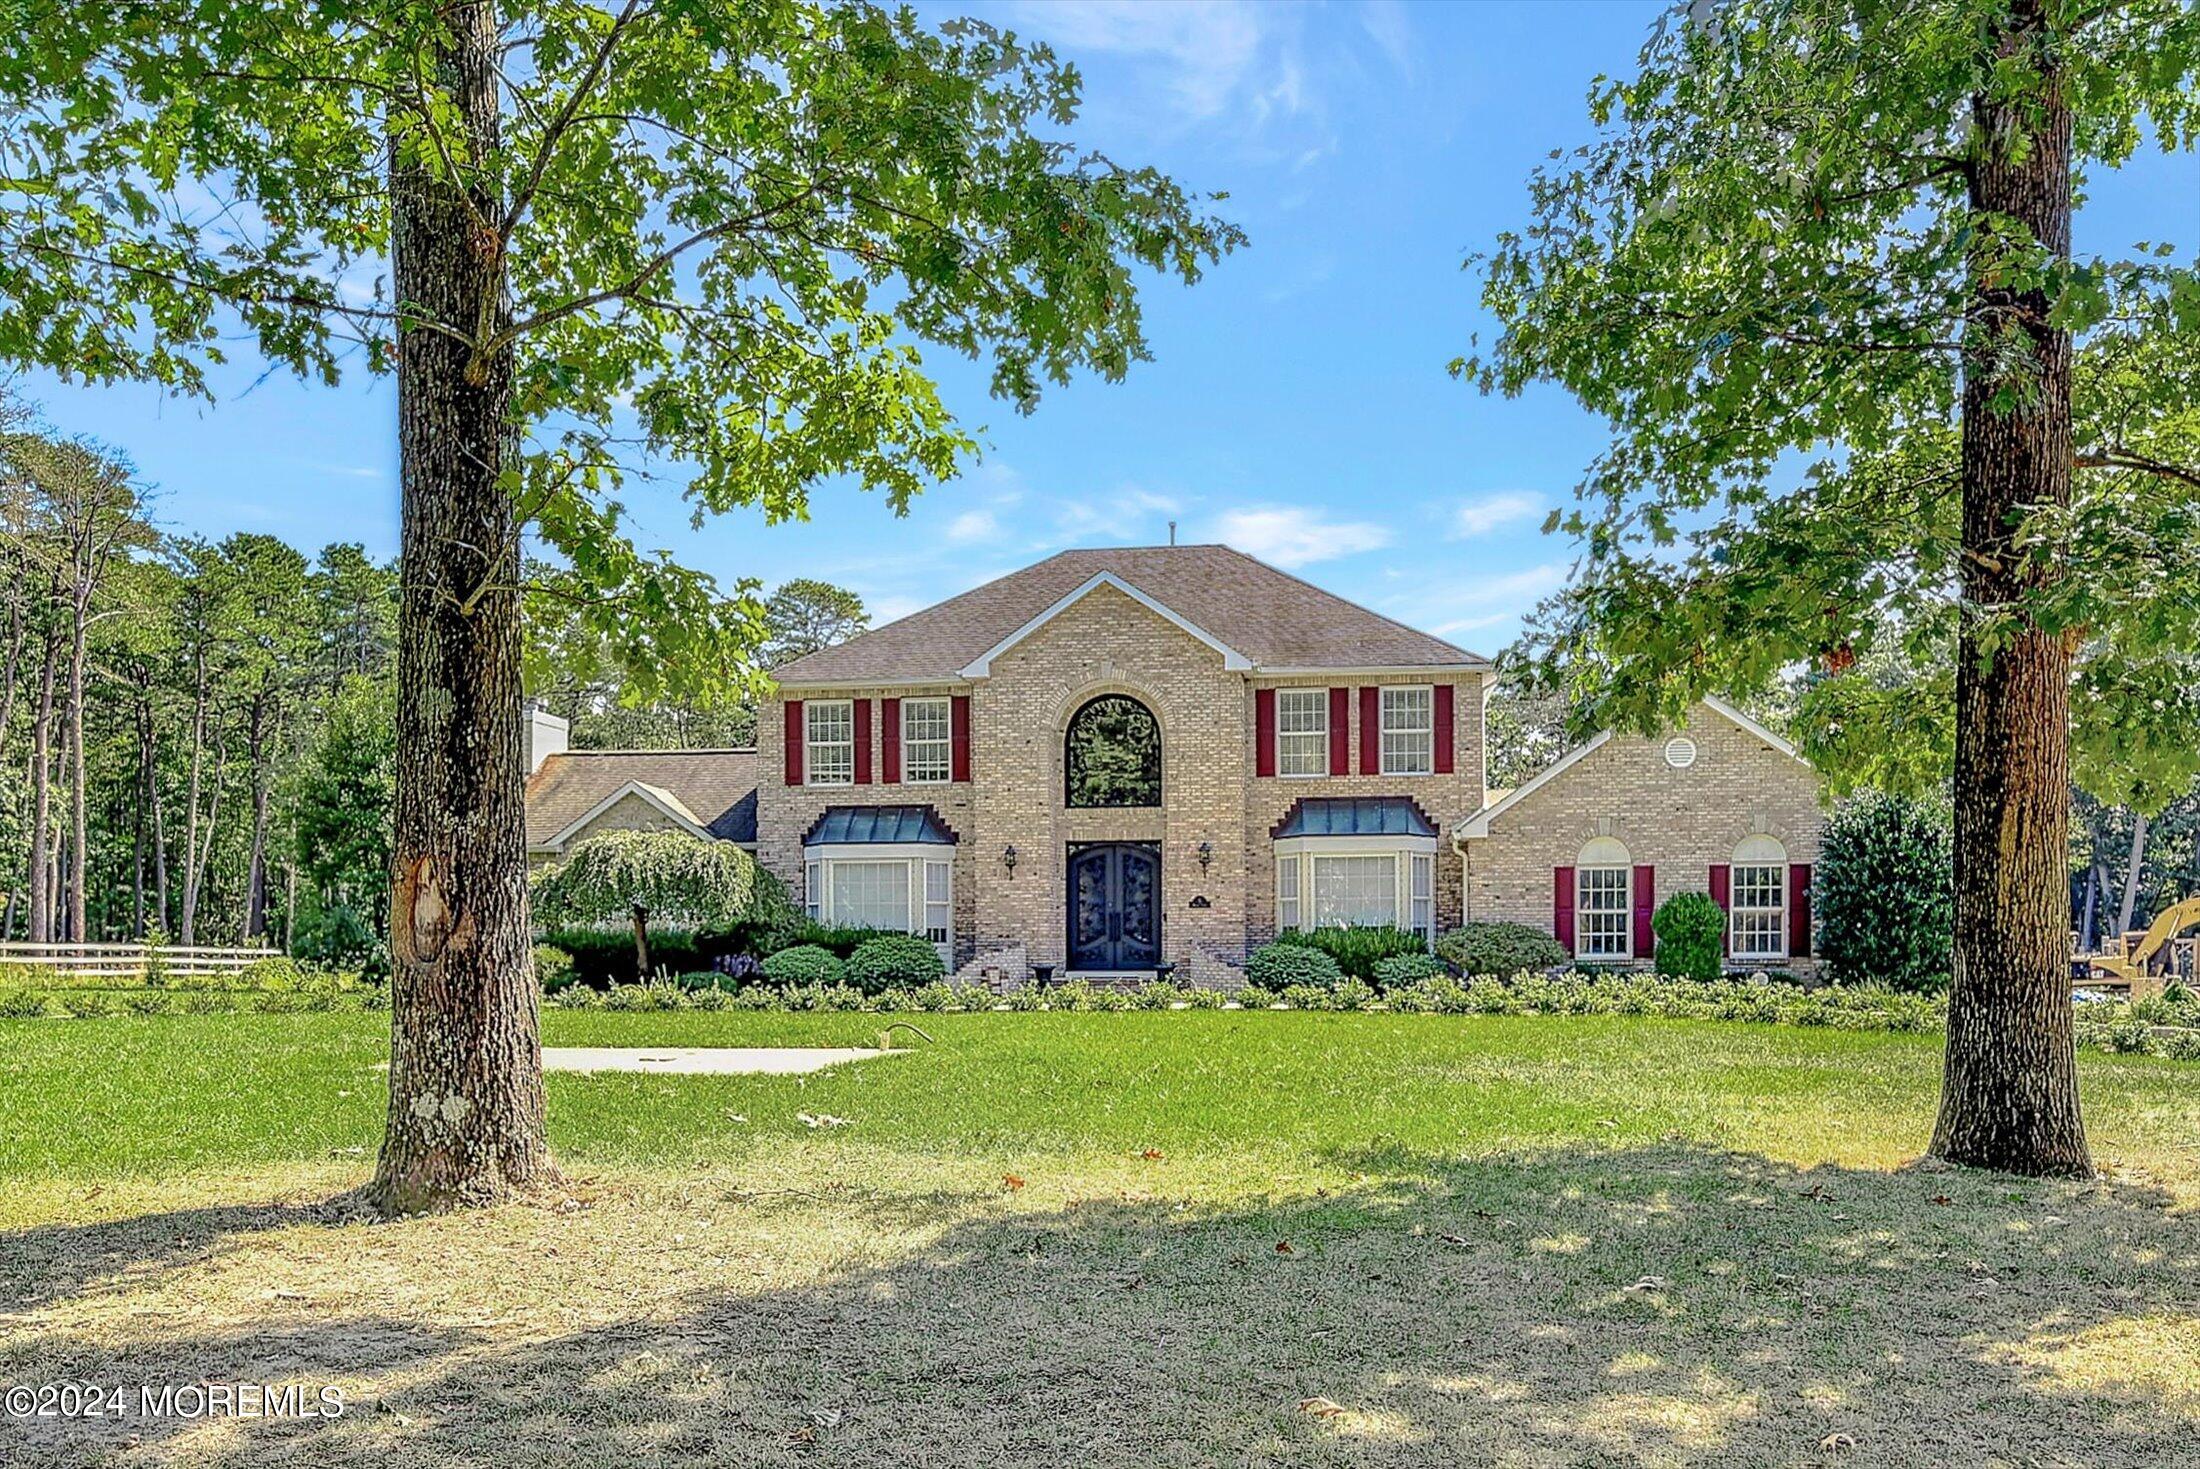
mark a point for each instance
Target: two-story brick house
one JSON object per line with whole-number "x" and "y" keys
{"x": 1116, "y": 760}
{"x": 1304, "y": 759}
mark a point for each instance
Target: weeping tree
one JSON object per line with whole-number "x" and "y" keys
{"x": 667, "y": 876}
{"x": 1816, "y": 270}
{"x": 585, "y": 235}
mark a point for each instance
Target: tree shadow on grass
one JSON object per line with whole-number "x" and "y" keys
{"x": 58, "y": 1261}
{"x": 1669, "y": 1305}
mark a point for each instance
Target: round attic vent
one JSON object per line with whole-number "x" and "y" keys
{"x": 1680, "y": 752}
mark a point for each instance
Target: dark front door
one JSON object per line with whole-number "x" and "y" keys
{"x": 1114, "y": 907}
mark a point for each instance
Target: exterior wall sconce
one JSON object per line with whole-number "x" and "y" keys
{"x": 1206, "y": 855}
{"x": 1008, "y": 858}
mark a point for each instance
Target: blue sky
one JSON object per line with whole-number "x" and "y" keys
{"x": 1297, "y": 406}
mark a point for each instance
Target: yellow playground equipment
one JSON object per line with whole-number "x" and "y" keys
{"x": 2146, "y": 959}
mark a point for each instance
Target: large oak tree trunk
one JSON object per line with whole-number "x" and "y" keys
{"x": 466, "y": 1095}
{"x": 2010, "y": 1098}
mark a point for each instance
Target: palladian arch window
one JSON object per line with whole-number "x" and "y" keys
{"x": 1604, "y": 903}
{"x": 1111, "y": 754}
{"x": 1757, "y": 906}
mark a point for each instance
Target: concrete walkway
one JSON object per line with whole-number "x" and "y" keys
{"x": 703, "y": 1060}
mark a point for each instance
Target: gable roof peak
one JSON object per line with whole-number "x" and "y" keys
{"x": 1255, "y": 615}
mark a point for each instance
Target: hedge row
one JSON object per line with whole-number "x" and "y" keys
{"x": 2164, "y": 1027}
{"x": 84, "y": 1004}
{"x": 2161, "y": 1027}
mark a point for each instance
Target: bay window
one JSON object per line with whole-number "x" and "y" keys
{"x": 895, "y": 888}
{"x": 1360, "y": 882}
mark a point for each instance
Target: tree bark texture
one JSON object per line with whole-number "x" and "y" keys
{"x": 2010, "y": 1094}
{"x": 466, "y": 1095}
{"x": 38, "y": 874}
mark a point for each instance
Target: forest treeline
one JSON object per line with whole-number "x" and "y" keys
{"x": 196, "y": 737}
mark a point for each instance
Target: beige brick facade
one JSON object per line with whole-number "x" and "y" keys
{"x": 1107, "y": 642}
{"x": 1678, "y": 821}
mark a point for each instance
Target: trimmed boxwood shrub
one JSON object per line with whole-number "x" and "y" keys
{"x": 1885, "y": 894}
{"x": 1691, "y": 932}
{"x": 842, "y": 942}
{"x": 805, "y": 964}
{"x": 1281, "y": 966}
{"x": 1500, "y": 948}
{"x": 1357, "y": 950}
{"x": 894, "y": 961}
{"x": 1400, "y": 970}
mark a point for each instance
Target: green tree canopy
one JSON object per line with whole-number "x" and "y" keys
{"x": 1816, "y": 271}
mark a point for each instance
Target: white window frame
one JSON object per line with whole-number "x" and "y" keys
{"x": 1414, "y": 869}
{"x": 944, "y": 741}
{"x": 1756, "y": 855}
{"x": 1599, "y": 860}
{"x": 1315, "y": 736}
{"x": 1385, "y": 729}
{"x": 930, "y": 874}
{"x": 811, "y": 744}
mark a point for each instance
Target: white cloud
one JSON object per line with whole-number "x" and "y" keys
{"x": 1479, "y": 517}
{"x": 1291, "y": 535}
{"x": 1388, "y": 27}
{"x": 1209, "y": 51}
{"x": 1461, "y": 603}
{"x": 973, "y": 526}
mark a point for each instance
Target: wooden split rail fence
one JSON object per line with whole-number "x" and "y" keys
{"x": 127, "y": 961}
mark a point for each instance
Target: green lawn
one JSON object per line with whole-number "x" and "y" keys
{"x": 1130, "y": 1239}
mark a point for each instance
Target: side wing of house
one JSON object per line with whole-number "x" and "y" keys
{"x": 1588, "y": 849}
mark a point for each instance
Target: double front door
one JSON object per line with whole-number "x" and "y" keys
{"x": 1114, "y": 906}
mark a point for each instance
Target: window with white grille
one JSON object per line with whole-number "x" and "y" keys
{"x": 1603, "y": 912}
{"x": 926, "y": 741}
{"x": 1757, "y": 900}
{"x": 939, "y": 912}
{"x": 1409, "y": 730}
{"x": 831, "y": 729}
{"x": 1287, "y": 891}
{"x": 1302, "y": 732}
{"x": 1421, "y": 902}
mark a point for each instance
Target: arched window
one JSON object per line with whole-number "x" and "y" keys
{"x": 1604, "y": 901}
{"x": 1111, "y": 755}
{"x": 1757, "y": 902}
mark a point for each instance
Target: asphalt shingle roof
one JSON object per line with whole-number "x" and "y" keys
{"x": 1273, "y": 618}
{"x": 718, "y": 786}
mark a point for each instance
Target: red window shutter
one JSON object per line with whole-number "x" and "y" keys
{"x": 1562, "y": 906}
{"x": 1646, "y": 909}
{"x": 1371, "y": 732}
{"x": 1799, "y": 911}
{"x": 959, "y": 733}
{"x": 1722, "y": 893}
{"x": 794, "y": 742}
{"x": 1443, "y": 729}
{"x": 1340, "y": 731}
{"x": 889, "y": 741}
{"x": 1264, "y": 731}
{"x": 861, "y": 719}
